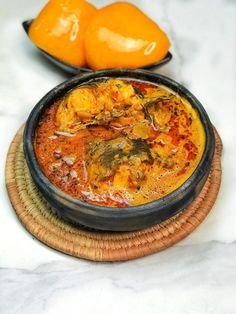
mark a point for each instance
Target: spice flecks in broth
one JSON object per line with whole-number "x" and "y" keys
{"x": 119, "y": 143}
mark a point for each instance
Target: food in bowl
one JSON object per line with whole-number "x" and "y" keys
{"x": 73, "y": 33}
{"x": 118, "y": 218}
{"x": 60, "y": 27}
{"x": 119, "y": 142}
{"x": 122, "y": 36}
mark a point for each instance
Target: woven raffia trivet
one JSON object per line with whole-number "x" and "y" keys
{"x": 40, "y": 220}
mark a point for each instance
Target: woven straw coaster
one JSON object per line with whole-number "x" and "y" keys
{"x": 39, "y": 219}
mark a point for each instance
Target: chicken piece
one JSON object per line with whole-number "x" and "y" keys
{"x": 161, "y": 116}
{"x": 83, "y": 103}
{"x": 96, "y": 104}
{"x": 141, "y": 130}
{"x": 79, "y": 107}
{"x": 115, "y": 94}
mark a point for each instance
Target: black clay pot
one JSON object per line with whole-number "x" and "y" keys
{"x": 118, "y": 219}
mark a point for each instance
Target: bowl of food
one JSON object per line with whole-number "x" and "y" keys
{"x": 74, "y": 69}
{"x": 77, "y": 37}
{"x": 119, "y": 150}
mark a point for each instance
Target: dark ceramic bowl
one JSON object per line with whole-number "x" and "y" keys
{"x": 76, "y": 70}
{"x": 118, "y": 219}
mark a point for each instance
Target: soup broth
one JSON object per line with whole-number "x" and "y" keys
{"x": 119, "y": 143}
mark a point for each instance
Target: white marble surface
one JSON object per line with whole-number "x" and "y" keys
{"x": 198, "y": 275}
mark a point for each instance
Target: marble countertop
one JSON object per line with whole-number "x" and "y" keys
{"x": 198, "y": 275}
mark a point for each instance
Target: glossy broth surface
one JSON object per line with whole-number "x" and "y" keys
{"x": 119, "y": 143}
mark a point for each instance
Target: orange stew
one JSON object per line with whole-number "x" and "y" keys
{"x": 119, "y": 143}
